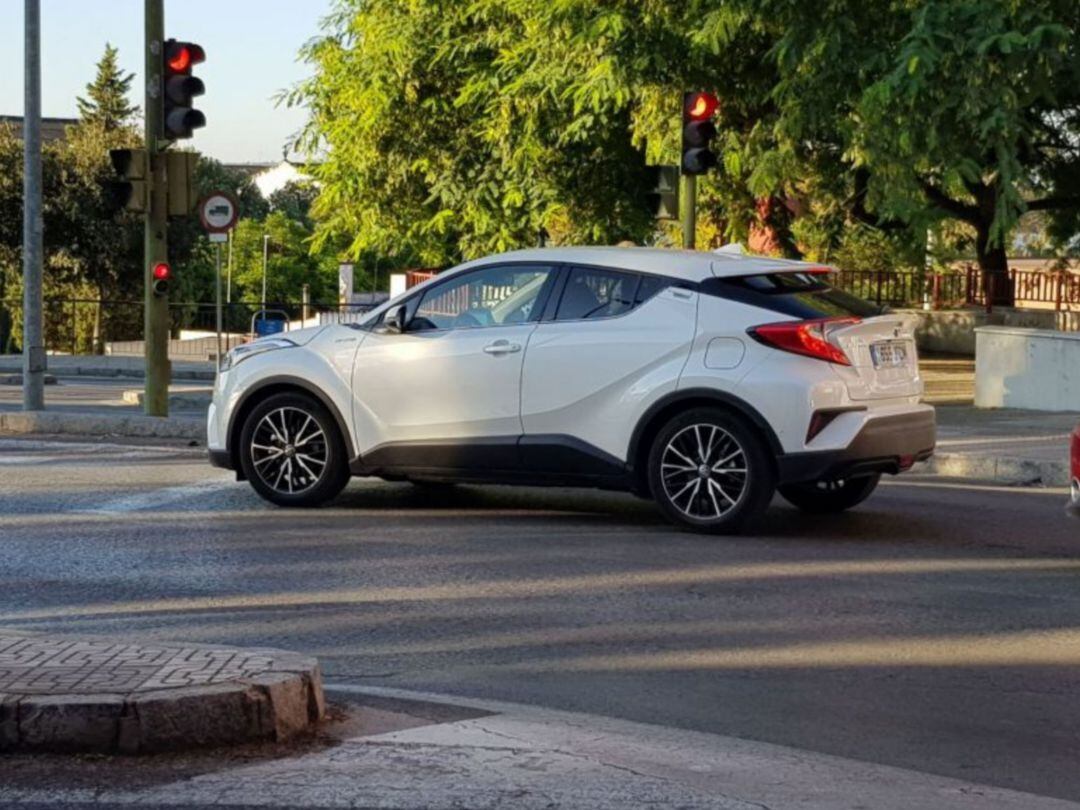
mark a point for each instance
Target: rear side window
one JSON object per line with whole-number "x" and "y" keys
{"x": 650, "y": 286}
{"x": 592, "y": 293}
{"x": 800, "y": 295}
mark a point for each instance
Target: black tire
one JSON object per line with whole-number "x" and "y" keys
{"x": 677, "y": 471}
{"x": 315, "y": 476}
{"x": 829, "y": 497}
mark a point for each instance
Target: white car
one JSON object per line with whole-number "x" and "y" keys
{"x": 706, "y": 381}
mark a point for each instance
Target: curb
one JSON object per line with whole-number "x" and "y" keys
{"x": 1005, "y": 470}
{"x": 273, "y": 696}
{"x": 114, "y": 371}
{"x": 181, "y": 401}
{"x": 93, "y": 424}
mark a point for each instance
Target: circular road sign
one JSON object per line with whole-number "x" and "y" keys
{"x": 218, "y": 211}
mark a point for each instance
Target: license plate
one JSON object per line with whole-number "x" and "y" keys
{"x": 889, "y": 354}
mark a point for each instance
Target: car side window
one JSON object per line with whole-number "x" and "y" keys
{"x": 491, "y": 296}
{"x": 593, "y": 293}
{"x": 650, "y": 286}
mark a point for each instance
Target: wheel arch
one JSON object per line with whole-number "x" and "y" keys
{"x": 268, "y": 387}
{"x": 676, "y": 402}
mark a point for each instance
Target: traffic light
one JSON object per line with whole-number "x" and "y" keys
{"x": 162, "y": 276}
{"x": 178, "y": 89}
{"x": 127, "y": 192}
{"x": 663, "y": 198}
{"x": 698, "y": 131}
{"x": 180, "y": 173}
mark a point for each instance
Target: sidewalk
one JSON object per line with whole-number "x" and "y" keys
{"x": 74, "y": 694}
{"x": 89, "y": 406}
{"x": 109, "y": 366}
{"x": 1006, "y": 446}
{"x": 394, "y": 749}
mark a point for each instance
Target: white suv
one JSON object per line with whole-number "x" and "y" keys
{"x": 706, "y": 381}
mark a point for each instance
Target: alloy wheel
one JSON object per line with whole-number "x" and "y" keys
{"x": 289, "y": 450}
{"x": 704, "y": 471}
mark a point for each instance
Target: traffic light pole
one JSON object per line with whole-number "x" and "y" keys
{"x": 689, "y": 211}
{"x": 33, "y": 331}
{"x": 156, "y": 315}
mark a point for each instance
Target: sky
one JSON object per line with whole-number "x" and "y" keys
{"x": 251, "y": 48}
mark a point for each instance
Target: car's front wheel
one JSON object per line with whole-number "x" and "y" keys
{"x": 834, "y": 495}
{"x": 710, "y": 471}
{"x": 292, "y": 451}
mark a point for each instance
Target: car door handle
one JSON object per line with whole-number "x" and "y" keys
{"x": 502, "y": 347}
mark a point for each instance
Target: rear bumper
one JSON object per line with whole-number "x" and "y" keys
{"x": 888, "y": 444}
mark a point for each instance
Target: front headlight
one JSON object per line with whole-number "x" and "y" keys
{"x": 252, "y": 349}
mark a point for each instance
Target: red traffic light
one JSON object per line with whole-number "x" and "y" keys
{"x": 181, "y": 56}
{"x": 162, "y": 271}
{"x": 181, "y": 60}
{"x": 701, "y": 106}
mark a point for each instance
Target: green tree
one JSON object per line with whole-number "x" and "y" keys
{"x": 295, "y": 199}
{"x": 106, "y": 102}
{"x": 454, "y": 129}
{"x": 290, "y": 262}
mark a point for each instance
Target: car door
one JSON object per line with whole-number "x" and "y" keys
{"x": 615, "y": 341}
{"x": 446, "y": 392}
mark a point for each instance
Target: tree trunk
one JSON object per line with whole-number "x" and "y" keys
{"x": 994, "y": 264}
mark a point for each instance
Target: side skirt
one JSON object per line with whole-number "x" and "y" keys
{"x": 539, "y": 460}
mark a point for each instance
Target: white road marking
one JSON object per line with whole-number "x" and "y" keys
{"x": 160, "y": 497}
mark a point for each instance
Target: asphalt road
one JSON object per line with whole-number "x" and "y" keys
{"x": 936, "y": 628}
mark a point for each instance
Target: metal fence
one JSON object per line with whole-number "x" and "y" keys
{"x": 969, "y": 287}
{"x": 87, "y": 326}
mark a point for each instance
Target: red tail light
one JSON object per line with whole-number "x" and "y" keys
{"x": 808, "y": 338}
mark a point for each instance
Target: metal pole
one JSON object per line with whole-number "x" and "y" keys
{"x": 217, "y": 298}
{"x": 228, "y": 285}
{"x": 689, "y": 211}
{"x": 156, "y": 317}
{"x": 34, "y": 362}
{"x": 266, "y": 243}
{"x": 305, "y": 304}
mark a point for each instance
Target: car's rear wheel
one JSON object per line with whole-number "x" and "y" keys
{"x": 710, "y": 471}
{"x": 833, "y": 495}
{"x": 292, "y": 451}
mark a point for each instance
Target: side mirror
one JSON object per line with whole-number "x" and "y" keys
{"x": 394, "y": 320}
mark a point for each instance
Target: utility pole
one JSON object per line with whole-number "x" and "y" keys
{"x": 33, "y": 331}
{"x": 156, "y": 316}
{"x": 689, "y": 211}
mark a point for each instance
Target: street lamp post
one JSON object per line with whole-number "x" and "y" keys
{"x": 266, "y": 249}
{"x": 228, "y": 284}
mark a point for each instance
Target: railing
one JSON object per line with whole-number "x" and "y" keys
{"x": 87, "y": 326}
{"x": 969, "y": 287}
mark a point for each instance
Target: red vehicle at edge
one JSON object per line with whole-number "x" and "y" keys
{"x": 1074, "y": 504}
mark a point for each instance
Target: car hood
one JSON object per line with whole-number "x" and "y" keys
{"x": 298, "y": 336}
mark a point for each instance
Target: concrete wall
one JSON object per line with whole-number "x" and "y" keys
{"x": 1036, "y": 369}
{"x": 952, "y": 331}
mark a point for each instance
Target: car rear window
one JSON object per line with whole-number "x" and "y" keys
{"x": 800, "y": 295}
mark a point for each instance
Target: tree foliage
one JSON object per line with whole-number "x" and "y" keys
{"x": 452, "y": 129}
{"x": 106, "y": 102}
